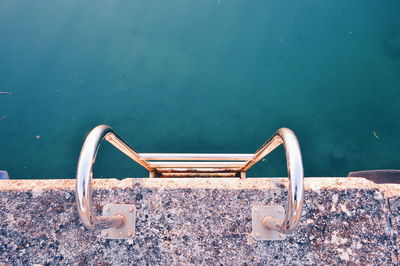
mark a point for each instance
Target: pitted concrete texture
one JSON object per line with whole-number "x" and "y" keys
{"x": 201, "y": 221}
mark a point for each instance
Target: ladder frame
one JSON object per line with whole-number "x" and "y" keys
{"x": 221, "y": 164}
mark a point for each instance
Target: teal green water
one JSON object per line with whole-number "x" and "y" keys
{"x": 199, "y": 76}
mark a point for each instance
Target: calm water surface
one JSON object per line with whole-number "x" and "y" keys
{"x": 199, "y": 76}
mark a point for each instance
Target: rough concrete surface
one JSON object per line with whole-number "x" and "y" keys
{"x": 201, "y": 221}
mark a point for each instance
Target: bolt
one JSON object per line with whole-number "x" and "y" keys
{"x": 105, "y": 233}
{"x": 130, "y": 233}
{"x": 130, "y": 209}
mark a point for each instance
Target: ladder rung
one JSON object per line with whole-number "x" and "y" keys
{"x": 197, "y": 170}
{"x": 197, "y": 164}
{"x": 198, "y": 174}
{"x": 196, "y": 156}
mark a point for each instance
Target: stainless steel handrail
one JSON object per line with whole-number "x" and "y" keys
{"x": 84, "y": 176}
{"x": 294, "y": 165}
{"x": 245, "y": 161}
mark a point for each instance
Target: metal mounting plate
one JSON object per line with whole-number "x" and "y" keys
{"x": 128, "y": 230}
{"x": 259, "y": 231}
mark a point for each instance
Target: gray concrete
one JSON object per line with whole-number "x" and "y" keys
{"x": 201, "y": 221}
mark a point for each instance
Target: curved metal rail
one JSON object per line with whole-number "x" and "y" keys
{"x": 84, "y": 176}
{"x": 294, "y": 165}
{"x": 243, "y": 162}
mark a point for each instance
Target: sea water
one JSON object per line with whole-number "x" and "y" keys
{"x": 215, "y": 76}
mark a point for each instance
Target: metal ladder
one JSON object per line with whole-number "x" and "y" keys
{"x": 192, "y": 164}
{"x": 118, "y": 220}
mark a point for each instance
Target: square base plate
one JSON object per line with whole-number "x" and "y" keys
{"x": 128, "y": 230}
{"x": 259, "y": 231}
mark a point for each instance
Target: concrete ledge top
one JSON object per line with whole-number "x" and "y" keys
{"x": 203, "y": 221}
{"x": 312, "y": 184}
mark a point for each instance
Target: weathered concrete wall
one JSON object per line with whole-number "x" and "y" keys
{"x": 201, "y": 221}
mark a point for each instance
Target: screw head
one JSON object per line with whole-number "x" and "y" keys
{"x": 130, "y": 234}
{"x": 257, "y": 235}
{"x": 106, "y": 208}
{"x": 105, "y": 233}
{"x": 281, "y": 235}
{"x": 279, "y": 210}
{"x": 130, "y": 209}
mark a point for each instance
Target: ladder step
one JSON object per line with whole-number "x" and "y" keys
{"x": 197, "y": 164}
{"x": 197, "y": 170}
{"x": 196, "y": 156}
{"x": 199, "y": 174}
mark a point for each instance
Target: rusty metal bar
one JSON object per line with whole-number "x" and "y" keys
{"x": 265, "y": 149}
{"x": 196, "y": 164}
{"x": 197, "y": 170}
{"x": 121, "y": 145}
{"x": 195, "y": 157}
{"x": 198, "y": 174}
